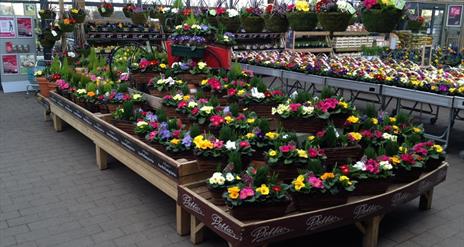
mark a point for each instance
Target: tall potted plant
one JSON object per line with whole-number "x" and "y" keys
{"x": 275, "y": 19}
{"x": 334, "y": 15}
{"x": 300, "y": 16}
{"x": 381, "y": 16}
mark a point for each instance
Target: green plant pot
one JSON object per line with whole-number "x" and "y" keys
{"x": 67, "y": 28}
{"x": 276, "y": 23}
{"x": 107, "y": 13}
{"x": 334, "y": 21}
{"x": 252, "y": 24}
{"x": 302, "y": 21}
{"x": 139, "y": 18}
{"x": 230, "y": 24}
{"x": 212, "y": 20}
{"x": 80, "y": 18}
{"x": 187, "y": 51}
{"x": 414, "y": 26}
{"x": 381, "y": 21}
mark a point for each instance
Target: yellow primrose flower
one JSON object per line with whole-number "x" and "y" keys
{"x": 395, "y": 160}
{"x": 272, "y": 135}
{"x": 272, "y": 153}
{"x": 345, "y": 179}
{"x": 302, "y": 153}
{"x": 438, "y": 148}
{"x": 403, "y": 149}
{"x": 204, "y": 82}
{"x": 175, "y": 141}
{"x": 250, "y": 120}
{"x": 343, "y": 104}
{"x": 241, "y": 92}
{"x": 264, "y": 190}
{"x": 392, "y": 119}
{"x": 352, "y": 119}
{"x": 355, "y": 135}
{"x": 327, "y": 175}
{"x": 186, "y": 97}
{"x": 228, "y": 119}
{"x": 298, "y": 183}
{"x": 310, "y": 138}
{"x": 434, "y": 88}
{"x": 233, "y": 192}
{"x": 250, "y": 135}
{"x": 461, "y": 89}
{"x": 396, "y": 129}
{"x": 417, "y": 130}
{"x": 163, "y": 66}
{"x": 74, "y": 11}
{"x": 374, "y": 121}
{"x": 302, "y": 5}
{"x": 197, "y": 140}
{"x": 452, "y": 90}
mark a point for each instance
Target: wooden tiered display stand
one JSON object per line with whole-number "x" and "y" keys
{"x": 365, "y": 212}
{"x": 156, "y": 167}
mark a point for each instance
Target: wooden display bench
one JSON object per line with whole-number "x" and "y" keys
{"x": 156, "y": 167}
{"x": 365, "y": 212}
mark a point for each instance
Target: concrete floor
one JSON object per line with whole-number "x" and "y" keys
{"x": 52, "y": 194}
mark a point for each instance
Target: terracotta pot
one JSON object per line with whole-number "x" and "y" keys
{"x": 45, "y": 86}
{"x": 216, "y": 196}
{"x": 371, "y": 186}
{"x": 310, "y": 202}
{"x": 260, "y": 211}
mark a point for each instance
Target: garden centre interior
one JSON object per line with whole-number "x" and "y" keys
{"x": 231, "y": 123}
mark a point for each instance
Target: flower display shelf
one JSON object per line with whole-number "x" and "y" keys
{"x": 159, "y": 169}
{"x": 365, "y": 212}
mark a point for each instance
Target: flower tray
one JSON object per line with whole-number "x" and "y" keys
{"x": 334, "y": 21}
{"x": 209, "y": 164}
{"x": 157, "y": 93}
{"x": 187, "y": 51}
{"x": 126, "y": 126}
{"x": 260, "y": 211}
{"x": 216, "y": 196}
{"x": 141, "y": 79}
{"x": 433, "y": 164}
{"x": 262, "y": 110}
{"x": 231, "y": 24}
{"x": 252, "y": 24}
{"x": 312, "y": 125}
{"x": 404, "y": 176}
{"x": 191, "y": 78}
{"x": 286, "y": 173}
{"x": 310, "y": 202}
{"x": 275, "y": 23}
{"x": 103, "y": 108}
{"x": 381, "y": 21}
{"x": 172, "y": 113}
{"x": 302, "y": 21}
{"x": 371, "y": 187}
{"x": 342, "y": 154}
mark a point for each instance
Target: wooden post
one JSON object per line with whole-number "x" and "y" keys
{"x": 182, "y": 221}
{"x": 196, "y": 230}
{"x": 57, "y": 123}
{"x": 63, "y": 37}
{"x": 370, "y": 230}
{"x": 425, "y": 201}
{"x": 102, "y": 157}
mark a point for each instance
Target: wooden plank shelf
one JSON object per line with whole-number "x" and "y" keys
{"x": 315, "y": 50}
{"x": 351, "y": 33}
{"x": 348, "y": 49}
{"x": 153, "y": 165}
{"x": 312, "y": 33}
{"x": 365, "y": 212}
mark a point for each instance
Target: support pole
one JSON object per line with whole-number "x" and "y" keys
{"x": 57, "y": 123}
{"x": 182, "y": 221}
{"x": 425, "y": 201}
{"x": 196, "y": 230}
{"x": 101, "y": 157}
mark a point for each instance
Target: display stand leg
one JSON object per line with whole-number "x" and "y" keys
{"x": 182, "y": 221}
{"x": 57, "y": 123}
{"x": 425, "y": 201}
{"x": 196, "y": 230}
{"x": 370, "y": 229}
{"x": 46, "y": 114}
{"x": 102, "y": 157}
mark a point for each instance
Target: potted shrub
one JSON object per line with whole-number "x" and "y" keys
{"x": 300, "y": 17}
{"x": 230, "y": 20}
{"x": 258, "y": 196}
{"x": 415, "y": 23}
{"x": 334, "y": 15}
{"x": 275, "y": 19}
{"x": 312, "y": 192}
{"x": 251, "y": 19}
{"x": 105, "y": 9}
{"x": 77, "y": 14}
{"x": 381, "y": 16}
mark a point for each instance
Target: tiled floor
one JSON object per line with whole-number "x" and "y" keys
{"x": 52, "y": 194}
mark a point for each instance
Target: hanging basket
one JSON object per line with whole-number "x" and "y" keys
{"x": 315, "y": 201}
{"x": 276, "y": 23}
{"x": 231, "y": 24}
{"x": 48, "y": 44}
{"x": 67, "y": 28}
{"x": 302, "y": 21}
{"x": 212, "y": 20}
{"x": 414, "y": 26}
{"x": 381, "y": 21}
{"x": 334, "y": 21}
{"x": 188, "y": 51}
{"x": 79, "y": 16}
{"x": 260, "y": 211}
{"x": 252, "y": 24}
{"x": 106, "y": 12}
{"x": 139, "y": 18}
{"x": 47, "y": 15}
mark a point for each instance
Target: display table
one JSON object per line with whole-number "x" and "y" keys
{"x": 156, "y": 167}
{"x": 365, "y": 212}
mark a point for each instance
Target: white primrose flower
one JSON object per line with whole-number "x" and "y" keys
{"x": 230, "y": 177}
{"x": 230, "y": 145}
{"x": 178, "y": 97}
{"x": 256, "y": 94}
{"x": 207, "y": 109}
{"x": 232, "y": 12}
{"x": 192, "y": 104}
{"x": 141, "y": 123}
{"x": 360, "y": 166}
{"x": 385, "y": 165}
